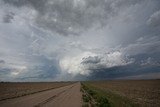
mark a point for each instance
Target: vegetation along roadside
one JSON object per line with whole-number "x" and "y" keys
{"x": 97, "y": 97}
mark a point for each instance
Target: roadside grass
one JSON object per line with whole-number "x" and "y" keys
{"x": 97, "y": 97}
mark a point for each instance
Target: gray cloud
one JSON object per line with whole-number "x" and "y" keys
{"x": 90, "y": 59}
{"x": 73, "y": 17}
{"x": 2, "y": 62}
{"x": 154, "y": 19}
{"x": 8, "y": 17}
{"x": 150, "y": 62}
{"x": 108, "y": 60}
{"x": 38, "y": 42}
{"x": 85, "y": 63}
{"x": 149, "y": 45}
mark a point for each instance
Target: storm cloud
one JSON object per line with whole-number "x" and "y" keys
{"x": 47, "y": 40}
{"x": 73, "y": 16}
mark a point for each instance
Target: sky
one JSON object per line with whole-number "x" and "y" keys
{"x": 62, "y": 40}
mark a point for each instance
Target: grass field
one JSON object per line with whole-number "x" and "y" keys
{"x": 12, "y": 90}
{"x": 122, "y": 93}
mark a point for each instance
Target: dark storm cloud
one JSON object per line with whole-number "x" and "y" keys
{"x": 117, "y": 38}
{"x": 5, "y": 71}
{"x": 46, "y": 71}
{"x": 2, "y": 61}
{"x": 144, "y": 64}
{"x": 121, "y": 72}
{"x": 72, "y": 17}
{"x": 105, "y": 61}
{"x": 154, "y": 19}
{"x": 90, "y": 59}
{"x": 8, "y": 17}
{"x": 17, "y": 3}
{"x": 147, "y": 47}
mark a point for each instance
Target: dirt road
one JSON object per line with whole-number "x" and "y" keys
{"x": 67, "y": 96}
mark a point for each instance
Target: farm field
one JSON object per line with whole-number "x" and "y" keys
{"x": 143, "y": 93}
{"x": 115, "y": 93}
{"x": 12, "y": 90}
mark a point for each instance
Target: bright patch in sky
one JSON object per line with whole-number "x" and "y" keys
{"x": 47, "y": 40}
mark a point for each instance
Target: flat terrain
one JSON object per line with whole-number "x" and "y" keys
{"x": 12, "y": 90}
{"x": 117, "y": 93}
{"x": 66, "y": 96}
{"x": 145, "y": 93}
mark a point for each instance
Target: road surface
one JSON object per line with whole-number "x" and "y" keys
{"x": 67, "y": 96}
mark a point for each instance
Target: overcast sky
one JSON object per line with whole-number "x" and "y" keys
{"x": 52, "y": 40}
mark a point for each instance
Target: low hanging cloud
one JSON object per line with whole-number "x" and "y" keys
{"x": 143, "y": 45}
{"x": 85, "y": 63}
{"x": 116, "y": 38}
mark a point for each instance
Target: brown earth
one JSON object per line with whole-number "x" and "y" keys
{"x": 146, "y": 93}
{"x": 12, "y": 90}
{"x": 67, "y": 96}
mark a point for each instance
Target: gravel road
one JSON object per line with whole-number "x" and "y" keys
{"x": 67, "y": 96}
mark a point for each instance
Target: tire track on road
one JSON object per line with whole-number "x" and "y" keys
{"x": 52, "y": 98}
{"x": 67, "y": 96}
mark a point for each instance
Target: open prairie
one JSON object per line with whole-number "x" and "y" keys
{"x": 12, "y": 90}
{"x": 145, "y": 93}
